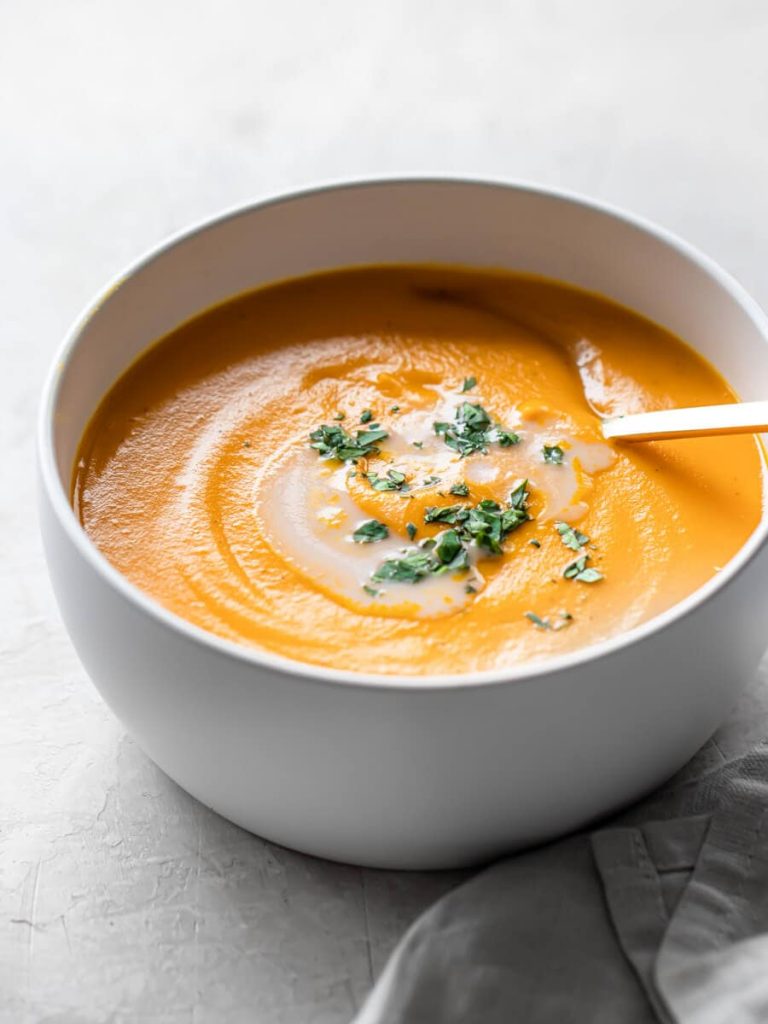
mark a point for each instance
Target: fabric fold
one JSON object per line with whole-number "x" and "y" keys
{"x": 659, "y": 916}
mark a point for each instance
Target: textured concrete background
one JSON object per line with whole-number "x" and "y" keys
{"x": 121, "y": 899}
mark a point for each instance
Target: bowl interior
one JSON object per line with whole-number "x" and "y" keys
{"x": 468, "y": 223}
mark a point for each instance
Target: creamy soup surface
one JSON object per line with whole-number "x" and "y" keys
{"x": 401, "y": 470}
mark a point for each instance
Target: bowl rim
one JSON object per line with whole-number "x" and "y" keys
{"x": 260, "y": 658}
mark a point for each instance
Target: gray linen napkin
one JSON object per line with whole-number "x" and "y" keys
{"x": 659, "y": 916}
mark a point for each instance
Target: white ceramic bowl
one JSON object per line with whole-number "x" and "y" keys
{"x": 419, "y": 772}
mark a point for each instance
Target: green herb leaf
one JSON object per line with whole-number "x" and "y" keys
{"x": 417, "y": 444}
{"x": 366, "y": 416}
{"x": 447, "y": 546}
{"x": 572, "y": 570}
{"x": 518, "y": 498}
{"x": 538, "y": 621}
{"x": 461, "y": 435}
{"x": 503, "y": 438}
{"x": 340, "y": 416}
{"x": 469, "y": 383}
{"x": 570, "y": 536}
{"x": 371, "y": 590}
{"x": 370, "y": 531}
{"x": 469, "y": 589}
{"x": 435, "y": 556}
{"x": 371, "y": 435}
{"x": 474, "y": 416}
{"x": 411, "y": 530}
{"x": 333, "y": 442}
{"x": 590, "y": 576}
{"x": 460, "y": 490}
{"x": 411, "y": 568}
{"x": 535, "y": 543}
{"x": 553, "y": 454}
{"x": 451, "y": 552}
{"x": 579, "y": 570}
{"x": 393, "y": 481}
{"x": 472, "y": 431}
{"x": 485, "y": 527}
{"x": 428, "y": 481}
{"x": 564, "y": 620}
{"x": 395, "y": 408}
{"x": 450, "y": 514}
{"x": 486, "y": 524}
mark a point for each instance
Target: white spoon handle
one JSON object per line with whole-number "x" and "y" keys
{"x": 700, "y": 421}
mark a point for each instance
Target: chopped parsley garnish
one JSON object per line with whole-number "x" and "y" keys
{"x": 366, "y": 416}
{"x": 411, "y": 568}
{"x": 469, "y": 383}
{"x": 411, "y": 530}
{"x": 473, "y": 414}
{"x": 451, "y": 552}
{"x": 417, "y": 444}
{"x": 486, "y": 525}
{"x": 564, "y": 619}
{"x": 503, "y": 438}
{"x": 451, "y": 514}
{"x": 469, "y": 589}
{"x": 370, "y": 531}
{"x": 472, "y": 431}
{"x": 340, "y": 416}
{"x": 460, "y": 490}
{"x": 332, "y": 442}
{"x": 519, "y": 497}
{"x": 535, "y": 543}
{"x": 393, "y": 481}
{"x": 553, "y": 454}
{"x": 395, "y": 408}
{"x": 371, "y": 435}
{"x": 579, "y": 570}
{"x": 371, "y": 590}
{"x": 489, "y": 524}
{"x": 571, "y": 537}
{"x": 446, "y": 553}
{"x": 428, "y": 481}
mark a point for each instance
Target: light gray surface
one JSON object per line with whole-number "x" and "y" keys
{"x": 121, "y": 899}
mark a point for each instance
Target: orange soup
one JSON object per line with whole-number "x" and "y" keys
{"x": 401, "y": 470}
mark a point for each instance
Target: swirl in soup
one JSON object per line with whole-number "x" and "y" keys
{"x": 400, "y": 469}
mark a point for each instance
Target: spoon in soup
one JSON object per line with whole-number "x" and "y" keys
{"x": 699, "y": 421}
